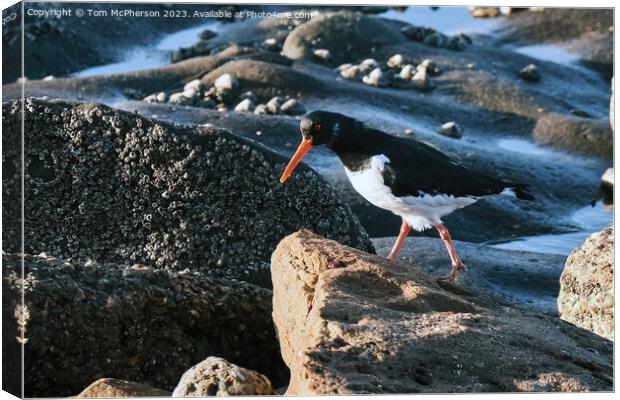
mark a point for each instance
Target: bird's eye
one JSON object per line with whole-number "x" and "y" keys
{"x": 316, "y": 128}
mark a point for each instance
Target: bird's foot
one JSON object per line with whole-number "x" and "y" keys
{"x": 456, "y": 269}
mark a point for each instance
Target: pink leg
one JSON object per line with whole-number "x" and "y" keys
{"x": 404, "y": 231}
{"x": 457, "y": 264}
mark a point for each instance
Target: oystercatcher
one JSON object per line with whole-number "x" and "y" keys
{"x": 409, "y": 178}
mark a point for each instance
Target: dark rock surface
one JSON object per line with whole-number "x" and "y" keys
{"x": 350, "y": 323}
{"x": 110, "y": 387}
{"x": 592, "y": 137}
{"x": 88, "y": 320}
{"x": 585, "y": 31}
{"x": 115, "y": 187}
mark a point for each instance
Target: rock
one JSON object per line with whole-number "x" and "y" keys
{"x": 580, "y": 135}
{"x": 353, "y": 72}
{"x": 351, "y": 323}
{"x": 368, "y": 65}
{"x": 110, "y": 387}
{"x": 322, "y": 54}
{"x": 171, "y": 197}
{"x": 135, "y": 322}
{"x": 344, "y": 33}
{"x": 217, "y": 377}
{"x": 530, "y": 73}
{"x": 506, "y": 11}
{"x": 451, "y": 129}
{"x": 245, "y": 106}
{"x": 342, "y": 67}
{"x": 607, "y": 186}
{"x": 179, "y": 98}
{"x": 375, "y": 78}
{"x": 396, "y": 61}
{"x": 586, "y": 296}
{"x": 161, "y": 97}
{"x": 459, "y": 42}
{"x": 274, "y": 105}
{"x": 226, "y": 82}
{"x": 272, "y": 44}
{"x": 484, "y": 12}
{"x": 422, "y": 81}
{"x": 207, "y": 102}
{"x": 261, "y": 109}
{"x": 537, "y": 9}
{"x": 428, "y": 66}
{"x": 195, "y": 85}
{"x": 207, "y": 34}
{"x": 49, "y": 78}
{"x": 293, "y": 107}
{"x": 191, "y": 94}
{"x": 151, "y": 98}
{"x": 408, "y": 132}
{"x": 407, "y": 72}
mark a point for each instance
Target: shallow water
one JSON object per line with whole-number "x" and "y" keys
{"x": 145, "y": 57}
{"x": 549, "y": 52}
{"x": 589, "y": 219}
{"x": 524, "y": 147}
{"x": 448, "y": 20}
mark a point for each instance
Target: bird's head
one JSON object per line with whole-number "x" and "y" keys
{"x": 318, "y": 128}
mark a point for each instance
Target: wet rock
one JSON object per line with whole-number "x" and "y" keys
{"x": 343, "y": 67}
{"x": 293, "y": 107}
{"x": 397, "y": 60}
{"x": 521, "y": 279}
{"x": 217, "y": 377}
{"x": 131, "y": 321}
{"x": 451, "y": 129}
{"x": 530, "y": 73}
{"x": 407, "y": 72}
{"x": 586, "y": 296}
{"x": 245, "y": 106}
{"x": 110, "y": 387}
{"x": 158, "y": 194}
{"x": 226, "y": 82}
{"x": 581, "y": 135}
{"x": 433, "y": 38}
{"x": 352, "y": 323}
{"x": 459, "y": 42}
{"x": 345, "y": 34}
{"x": 49, "y": 78}
{"x": 272, "y": 44}
{"x": 374, "y": 78}
{"x": 207, "y": 34}
{"x": 322, "y": 54}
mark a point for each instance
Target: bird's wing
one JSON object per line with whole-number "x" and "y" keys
{"x": 417, "y": 167}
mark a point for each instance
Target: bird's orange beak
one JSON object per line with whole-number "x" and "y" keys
{"x": 304, "y": 147}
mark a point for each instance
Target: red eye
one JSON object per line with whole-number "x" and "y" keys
{"x": 316, "y": 128}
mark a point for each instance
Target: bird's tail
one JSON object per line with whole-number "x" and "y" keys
{"x": 520, "y": 190}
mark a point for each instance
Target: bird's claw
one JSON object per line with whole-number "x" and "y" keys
{"x": 456, "y": 269}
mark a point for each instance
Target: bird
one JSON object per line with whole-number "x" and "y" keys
{"x": 410, "y": 178}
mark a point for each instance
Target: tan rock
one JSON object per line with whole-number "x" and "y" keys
{"x": 586, "y": 296}
{"x": 350, "y": 322}
{"x": 110, "y": 387}
{"x": 217, "y": 377}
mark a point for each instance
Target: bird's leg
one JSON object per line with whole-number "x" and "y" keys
{"x": 404, "y": 231}
{"x": 457, "y": 264}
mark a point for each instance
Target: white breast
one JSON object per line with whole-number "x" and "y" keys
{"x": 421, "y": 212}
